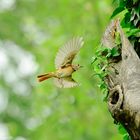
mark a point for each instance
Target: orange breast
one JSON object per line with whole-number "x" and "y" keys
{"x": 64, "y": 72}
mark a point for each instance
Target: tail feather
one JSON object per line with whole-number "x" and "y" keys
{"x": 40, "y": 79}
{"x": 41, "y": 75}
{"x": 44, "y": 76}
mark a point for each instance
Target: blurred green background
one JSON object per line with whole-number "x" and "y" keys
{"x": 31, "y": 32}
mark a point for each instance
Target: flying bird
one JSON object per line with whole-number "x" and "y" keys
{"x": 64, "y": 65}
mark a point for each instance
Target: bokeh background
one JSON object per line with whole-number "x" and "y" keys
{"x": 31, "y": 32}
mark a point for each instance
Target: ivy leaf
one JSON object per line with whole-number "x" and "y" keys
{"x": 127, "y": 17}
{"x": 126, "y": 137}
{"x": 93, "y": 59}
{"x": 117, "y": 11}
{"x": 133, "y": 32}
{"x": 97, "y": 69}
{"x": 125, "y": 24}
{"x": 114, "y": 52}
{"x": 108, "y": 55}
{"x": 122, "y": 130}
{"x": 106, "y": 52}
{"x": 102, "y": 85}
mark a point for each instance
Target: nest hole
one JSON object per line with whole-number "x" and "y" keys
{"x": 115, "y": 97}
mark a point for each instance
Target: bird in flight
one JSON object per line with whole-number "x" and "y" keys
{"x": 64, "y": 66}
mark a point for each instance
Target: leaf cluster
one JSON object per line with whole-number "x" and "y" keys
{"x": 123, "y": 131}
{"x": 100, "y": 64}
{"x": 130, "y": 21}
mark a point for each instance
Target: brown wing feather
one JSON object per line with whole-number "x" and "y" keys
{"x": 67, "y": 53}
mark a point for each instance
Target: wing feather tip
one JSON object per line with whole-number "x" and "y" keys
{"x": 73, "y": 45}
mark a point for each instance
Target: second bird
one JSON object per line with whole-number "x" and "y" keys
{"x": 63, "y": 63}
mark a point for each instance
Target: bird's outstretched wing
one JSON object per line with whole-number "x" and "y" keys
{"x": 67, "y": 53}
{"x": 67, "y": 82}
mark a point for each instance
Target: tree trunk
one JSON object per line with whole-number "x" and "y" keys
{"x": 123, "y": 82}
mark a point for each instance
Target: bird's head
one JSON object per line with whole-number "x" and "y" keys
{"x": 76, "y": 67}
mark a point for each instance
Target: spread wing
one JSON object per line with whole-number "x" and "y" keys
{"x": 67, "y": 82}
{"x": 67, "y": 53}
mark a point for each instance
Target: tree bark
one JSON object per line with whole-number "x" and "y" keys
{"x": 123, "y": 82}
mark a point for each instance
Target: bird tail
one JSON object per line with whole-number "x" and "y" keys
{"x": 45, "y": 76}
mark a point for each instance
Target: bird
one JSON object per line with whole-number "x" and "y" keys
{"x": 64, "y": 64}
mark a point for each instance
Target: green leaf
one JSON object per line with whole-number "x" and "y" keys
{"x": 126, "y": 137}
{"x": 122, "y": 130}
{"x": 97, "y": 69}
{"x": 102, "y": 85}
{"x": 106, "y": 52}
{"x": 117, "y": 11}
{"x": 127, "y": 17}
{"x": 102, "y": 75}
{"x": 124, "y": 24}
{"x": 114, "y": 52}
{"x": 133, "y": 32}
{"x": 108, "y": 55}
{"x": 93, "y": 59}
